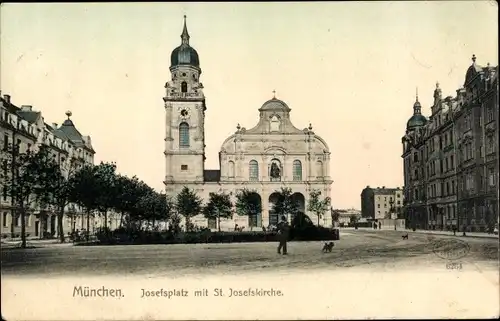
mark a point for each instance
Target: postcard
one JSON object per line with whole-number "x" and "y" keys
{"x": 249, "y": 161}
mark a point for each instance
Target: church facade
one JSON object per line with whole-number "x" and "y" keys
{"x": 270, "y": 155}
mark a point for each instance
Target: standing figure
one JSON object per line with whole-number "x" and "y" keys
{"x": 283, "y": 232}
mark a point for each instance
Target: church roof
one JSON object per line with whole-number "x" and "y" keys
{"x": 274, "y": 104}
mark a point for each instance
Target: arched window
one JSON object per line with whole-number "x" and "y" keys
{"x": 231, "y": 169}
{"x": 253, "y": 168}
{"x": 183, "y": 135}
{"x": 297, "y": 170}
{"x": 319, "y": 168}
{"x": 184, "y": 87}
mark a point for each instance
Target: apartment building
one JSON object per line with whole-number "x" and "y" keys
{"x": 25, "y": 127}
{"x": 451, "y": 158}
{"x": 381, "y": 202}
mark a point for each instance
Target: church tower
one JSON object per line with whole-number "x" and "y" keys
{"x": 185, "y": 116}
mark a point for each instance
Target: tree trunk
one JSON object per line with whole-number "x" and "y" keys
{"x": 23, "y": 228}
{"x": 105, "y": 213}
{"x": 13, "y": 222}
{"x": 218, "y": 221}
{"x": 318, "y": 218}
{"x": 60, "y": 227}
{"x": 88, "y": 226}
{"x": 121, "y": 220}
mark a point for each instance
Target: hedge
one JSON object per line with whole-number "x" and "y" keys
{"x": 122, "y": 236}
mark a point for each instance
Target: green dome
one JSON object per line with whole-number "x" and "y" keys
{"x": 184, "y": 55}
{"x": 416, "y": 121}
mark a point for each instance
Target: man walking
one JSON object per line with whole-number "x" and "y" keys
{"x": 283, "y": 231}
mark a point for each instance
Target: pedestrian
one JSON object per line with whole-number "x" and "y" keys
{"x": 454, "y": 230}
{"x": 283, "y": 231}
{"x": 379, "y": 225}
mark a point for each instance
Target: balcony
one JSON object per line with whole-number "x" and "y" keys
{"x": 181, "y": 95}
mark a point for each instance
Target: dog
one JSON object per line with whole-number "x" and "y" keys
{"x": 328, "y": 247}
{"x": 405, "y": 236}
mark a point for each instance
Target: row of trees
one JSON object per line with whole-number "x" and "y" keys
{"x": 35, "y": 180}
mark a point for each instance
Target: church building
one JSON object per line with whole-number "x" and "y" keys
{"x": 270, "y": 155}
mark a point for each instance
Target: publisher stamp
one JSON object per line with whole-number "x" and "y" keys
{"x": 450, "y": 249}
{"x": 454, "y": 266}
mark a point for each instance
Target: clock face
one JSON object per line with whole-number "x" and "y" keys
{"x": 184, "y": 112}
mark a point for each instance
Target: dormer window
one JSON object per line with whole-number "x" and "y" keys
{"x": 184, "y": 87}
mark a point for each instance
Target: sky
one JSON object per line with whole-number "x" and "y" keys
{"x": 351, "y": 69}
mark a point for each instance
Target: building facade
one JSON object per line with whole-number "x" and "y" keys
{"x": 345, "y": 215}
{"x": 381, "y": 202}
{"x": 451, "y": 158}
{"x": 272, "y": 154}
{"x": 25, "y": 127}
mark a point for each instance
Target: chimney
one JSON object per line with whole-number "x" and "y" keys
{"x": 6, "y": 98}
{"x": 54, "y": 125}
{"x": 26, "y": 107}
{"x": 383, "y": 186}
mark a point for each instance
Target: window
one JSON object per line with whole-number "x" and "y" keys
{"x": 184, "y": 135}
{"x": 415, "y": 157}
{"x": 5, "y": 142}
{"x": 4, "y": 219}
{"x": 491, "y": 177}
{"x": 490, "y": 144}
{"x": 398, "y": 202}
{"x": 29, "y": 146}
{"x": 469, "y": 182}
{"x": 184, "y": 167}
{"x": 378, "y": 205}
{"x": 184, "y": 87}
{"x": 5, "y": 193}
{"x": 253, "y": 168}
{"x": 231, "y": 169}
{"x": 467, "y": 122}
{"x": 453, "y": 187}
{"x": 452, "y": 162}
{"x": 18, "y": 145}
{"x": 297, "y": 170}
{"x": 489, "y": 115}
